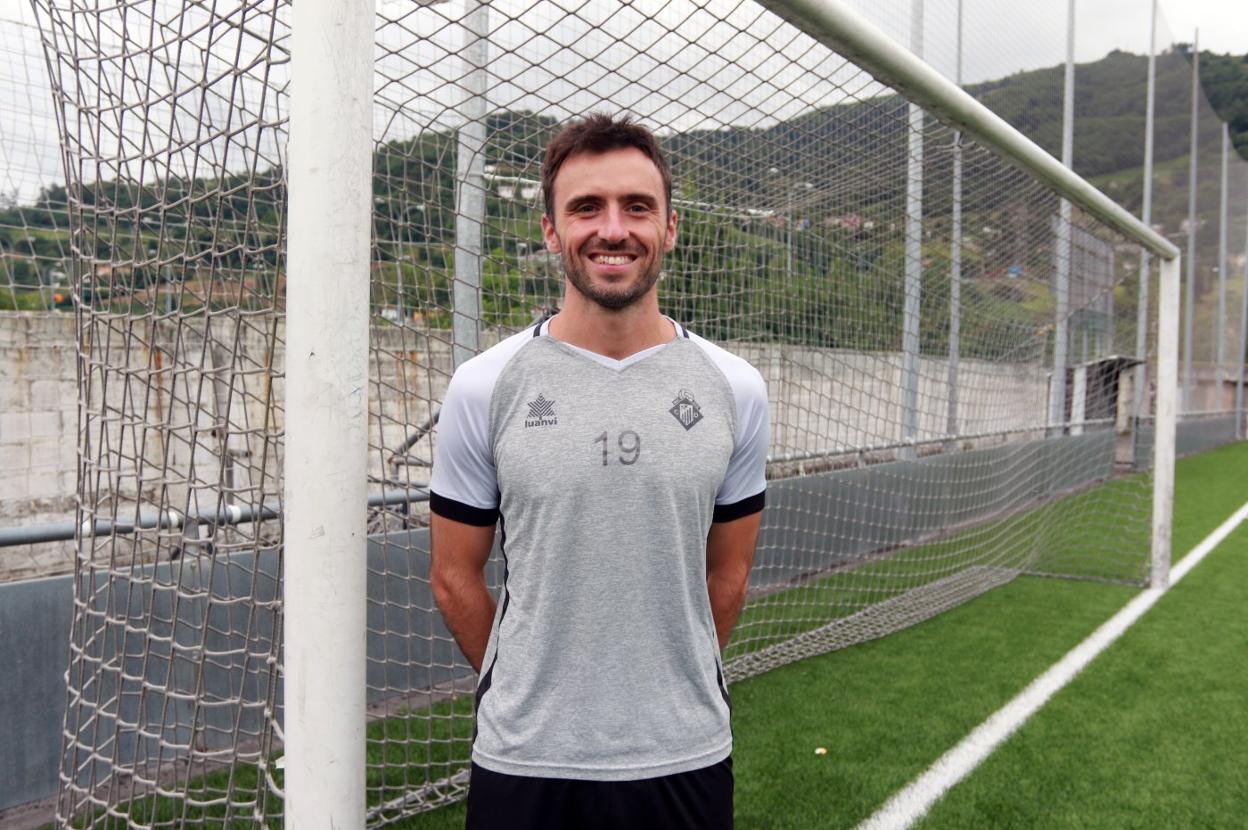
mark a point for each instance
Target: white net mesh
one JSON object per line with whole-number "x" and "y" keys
{"x": 913, "y": 463}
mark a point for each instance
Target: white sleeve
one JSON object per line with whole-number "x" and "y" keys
{"x": 746, "y": 479}
{"x": 464, "y": 484}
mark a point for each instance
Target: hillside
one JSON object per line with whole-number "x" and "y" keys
{"x": 735, "y": 247}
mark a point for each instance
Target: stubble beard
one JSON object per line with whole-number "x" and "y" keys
{"x": 612, "y": 298}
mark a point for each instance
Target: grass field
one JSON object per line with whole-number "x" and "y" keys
{"x": 1152, "y": 734}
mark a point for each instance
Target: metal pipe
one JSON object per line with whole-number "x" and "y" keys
{"x": 1220, "y": 350}
{"x": 837, "y": 26}
{"x": 470, "y": 188}
{"x": 234, "y": 514}
{"x": 914, "y": 249}
{"x": 1190, "y": 304}
{"x": 1242, "y": 355}
{"x": 955, "y": 257}
{"x": 1061, "y": 331}
{"x": 1146, "y": 216}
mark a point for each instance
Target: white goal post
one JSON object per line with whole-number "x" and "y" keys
{"x": 329, "y": 683}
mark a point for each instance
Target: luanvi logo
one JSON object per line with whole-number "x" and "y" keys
{"x": 541, "y": 413}
{"x": 686, "y": 410}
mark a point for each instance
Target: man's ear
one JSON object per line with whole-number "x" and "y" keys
{"x": 548, "y": 233}
{"x": 671, "y": 231}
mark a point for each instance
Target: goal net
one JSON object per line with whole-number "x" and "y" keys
{"x": 948, "y": 350}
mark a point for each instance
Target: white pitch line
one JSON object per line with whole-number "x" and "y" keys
{"x": 912, "y": 803}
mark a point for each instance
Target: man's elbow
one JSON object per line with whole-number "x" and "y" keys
{"x": 443, "y": 583}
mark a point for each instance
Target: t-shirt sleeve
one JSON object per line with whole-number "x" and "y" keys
{"x": 745, "y": 483}
{"x": 464, "y": 484}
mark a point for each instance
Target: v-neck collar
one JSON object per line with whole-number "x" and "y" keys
{"x": 679, "y": 332}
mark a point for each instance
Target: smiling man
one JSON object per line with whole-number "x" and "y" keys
{"x": 622, "y": 458}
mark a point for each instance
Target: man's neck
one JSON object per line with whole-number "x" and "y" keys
{"x": 613, "y": 334}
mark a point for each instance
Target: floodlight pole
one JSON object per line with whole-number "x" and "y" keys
{"x": 1146, "y": 216}
{"x": 1220, "y": 351}
{"x": 1241, "y": 356}
{"x": 325, "y": 490}
{"x": 1164, "y": 434}
{"x": 470, "y": 187}
{"x": 1061, "y": 334}
{"x": 955, "y": 258}
{"x": 1189, "y": 309}
{"x": 914, "y": 253}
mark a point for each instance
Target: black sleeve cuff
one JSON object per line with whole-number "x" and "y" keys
{"x": 459, "y": 512}
{"x": 740, "y": 509}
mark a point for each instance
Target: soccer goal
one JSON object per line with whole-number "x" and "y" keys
{"x": 290, "y": 223}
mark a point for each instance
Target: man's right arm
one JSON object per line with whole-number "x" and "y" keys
{"x": 458, "y": 554}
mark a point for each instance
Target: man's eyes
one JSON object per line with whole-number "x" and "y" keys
{"x": 636, "y": 208}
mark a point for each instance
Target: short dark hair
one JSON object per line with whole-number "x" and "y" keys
{"x": 599, "y": 132}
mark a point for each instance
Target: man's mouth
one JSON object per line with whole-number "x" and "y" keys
{"x": 611, "y": 259}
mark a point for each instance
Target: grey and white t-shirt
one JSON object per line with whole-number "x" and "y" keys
{"x": 604, "y": 477}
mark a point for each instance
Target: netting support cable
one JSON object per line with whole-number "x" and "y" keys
{"x": 914, "y": 252}
{"x": 1146, "y": 215}
{"x": 955, "y": 256}
{"x": 326, "y": 473}
{"x": 1163, "y": 443}
{"x": 1219, "y": 370}
{"x": 1190, "y": 298}
{"x": 470, "y": 185}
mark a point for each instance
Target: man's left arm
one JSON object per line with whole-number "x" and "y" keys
{"x": 729, "y": 554}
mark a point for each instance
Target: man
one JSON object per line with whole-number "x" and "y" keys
{"x": 623, "y": 460}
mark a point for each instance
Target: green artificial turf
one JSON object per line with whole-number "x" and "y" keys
{"x": 1154, "y": 733}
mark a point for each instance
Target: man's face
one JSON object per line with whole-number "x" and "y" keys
{"x": 611, "y": 225}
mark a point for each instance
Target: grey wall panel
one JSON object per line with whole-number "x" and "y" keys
{"x": 34, "y": 633}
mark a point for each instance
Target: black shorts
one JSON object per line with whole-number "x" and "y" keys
{"x": 697, "y": 800}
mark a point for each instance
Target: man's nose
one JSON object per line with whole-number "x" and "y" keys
{"x": 612, "y": 228}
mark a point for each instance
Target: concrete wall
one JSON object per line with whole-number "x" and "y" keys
{"x": 187, "y": 415}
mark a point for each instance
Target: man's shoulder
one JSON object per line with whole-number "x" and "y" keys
{"x": 476, "y": 377}
{"x": 742, "y": 376}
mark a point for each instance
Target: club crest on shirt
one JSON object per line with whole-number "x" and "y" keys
{"x": 541, "y": 413}
{"x": 686, "y": 410}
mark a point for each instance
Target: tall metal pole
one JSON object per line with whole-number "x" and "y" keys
{"x": 326, "y": 449}
{"x": 470, "y": 187}
{"x": 1220, "y": 351}
{"x": 914, "y": 252}
{"x": 1190, "y": 303}
{"x": 1241, "y": 356}
{"x": 955, "y": 257}
{"x": 1141, "y": 317}
{"x": 1164, "y": 436}
{"x": 1061, "y": 336}
{"x": 1108, "y": 347}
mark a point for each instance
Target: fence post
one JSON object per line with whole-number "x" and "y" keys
{"x": 470, "y": 187}
{"x": 914, "y": 253}
{"x": 1190, "y": 254}
{"x": 1242, "y": 354}
{"x": 955, "y": 257}
{"x": 1061, "y": 336}
{"x": 1141, "y": 317}
{"x": 1220, "y": 351}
